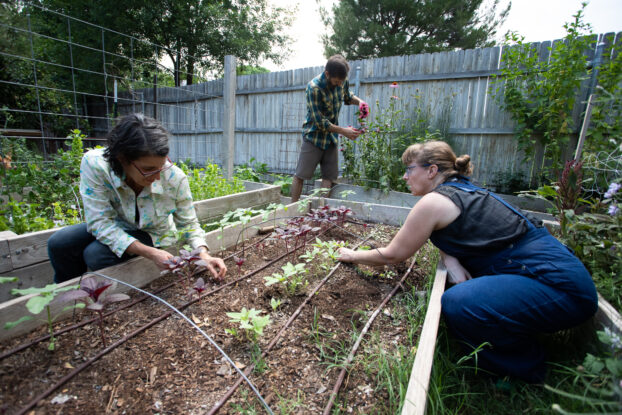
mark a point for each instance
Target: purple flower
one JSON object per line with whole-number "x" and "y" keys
{"x": 394, "y": 85}
{"x": 613, "y": 210}
{"x": 613, "y": 189}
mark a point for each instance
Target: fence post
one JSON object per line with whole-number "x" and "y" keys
{"x": 228, "y": 128}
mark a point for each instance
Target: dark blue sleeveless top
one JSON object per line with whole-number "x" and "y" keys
{"x": 486, "y": 222}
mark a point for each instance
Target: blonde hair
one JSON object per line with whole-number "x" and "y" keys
{"x": 441, "y": 154}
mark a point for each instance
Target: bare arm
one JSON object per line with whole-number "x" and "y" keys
{"x": 432, "y": 212}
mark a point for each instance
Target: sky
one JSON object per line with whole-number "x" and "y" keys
{"x": 536, "y": 20}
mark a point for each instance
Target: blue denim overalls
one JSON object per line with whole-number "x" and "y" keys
{"x": 532, "y": 286}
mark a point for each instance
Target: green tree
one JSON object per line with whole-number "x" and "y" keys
{"x": 364, "y": 29}
{"x": 541, "y": 95}
{"x": 198, "y": 34}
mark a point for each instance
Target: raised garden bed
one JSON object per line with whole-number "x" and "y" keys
{"x": 401, "y": 199}
{"x": 172, "y": 368}
{"x": 25, "y": 256}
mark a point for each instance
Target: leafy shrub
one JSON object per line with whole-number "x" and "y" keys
{"x": 596, "y": 239}
{"x": 49, "y": 191}
{"x": 374, "y": 158}
{"x": 208, "y": 182}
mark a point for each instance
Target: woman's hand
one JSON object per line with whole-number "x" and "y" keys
{"x": 216, "y": 266}
{"x": 455, "y": 271}
{"x": 158, "y": 256}
{"x": 346, "y": 255}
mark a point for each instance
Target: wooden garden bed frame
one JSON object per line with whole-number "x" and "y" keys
{"x": 140, "y": 272}
{"x": 26, "y": 257}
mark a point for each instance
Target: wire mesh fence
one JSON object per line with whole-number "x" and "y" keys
{"x": 600, "y": 170}
{"x": 61, "y": 73}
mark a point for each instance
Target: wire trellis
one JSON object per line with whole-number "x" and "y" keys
{"x": 601, "y": 169}
{"x": 79, "y": 95}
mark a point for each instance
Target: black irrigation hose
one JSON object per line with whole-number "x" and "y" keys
{"x": 274, "y": 340}
{"x": 78, "y": 325}
{"x": 193, "y": 324}
{"x": 86, "y": 364}
{"x": 123, "y": 307}
{"x": 346, "y": 363}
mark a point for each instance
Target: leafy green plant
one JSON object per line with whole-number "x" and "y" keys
{"x": 324, "y": 253}
{"x": 374, "y": 158}
{"x": 41, "y": 194}
{"x": 253, "y": 171}
{"x": 250, "y": 321}
{"x": 275, "y": 303}
{"x": 292, "y": 278}
{"x": 284, "y": 181}
{"x": 596, "y": 238}
{"x": 208, "y": 182}
{"x": 600, "y": 376}
{"x": 38, "y": 303}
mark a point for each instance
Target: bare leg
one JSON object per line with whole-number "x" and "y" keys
{"x": 296, "y": 188}
{"x": 326, "y": 184}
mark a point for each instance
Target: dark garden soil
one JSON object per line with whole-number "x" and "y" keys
{"x": 172, "y": 369}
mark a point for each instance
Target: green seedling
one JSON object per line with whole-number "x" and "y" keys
{"x": 251, "y": 321}
{"x": 293, "y": 277}
{"x": 42, "y": 300}
{"x": 328, "y": 252}
{"x": 275, "y": 303}
{"x": 8, "y": 279}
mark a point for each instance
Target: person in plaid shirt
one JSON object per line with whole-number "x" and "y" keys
{"x": 320, "y": 132}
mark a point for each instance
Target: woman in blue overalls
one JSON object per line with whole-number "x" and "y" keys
{"x": 513, "y": 279}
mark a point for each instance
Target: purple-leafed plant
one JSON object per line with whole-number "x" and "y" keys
{"x": 302, "y": 232}
{"x": 91, "y": 292}
{"x": 283, "y": 234}
{"x": 186, "y": 265}
{"x": 198, "y": 287}
{"x": 239, "y": 261}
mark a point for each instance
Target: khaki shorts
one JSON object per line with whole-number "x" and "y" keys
{"x": 311, "y": 155}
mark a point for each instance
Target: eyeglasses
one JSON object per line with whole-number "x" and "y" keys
{"x": 412, "y": 166}
{"x": 167, "y": 165}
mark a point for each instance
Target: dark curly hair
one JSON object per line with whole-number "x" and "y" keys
{"x": 135, "y": 136}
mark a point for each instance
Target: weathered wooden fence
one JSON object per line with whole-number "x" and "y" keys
{"x": 453, "y": 88}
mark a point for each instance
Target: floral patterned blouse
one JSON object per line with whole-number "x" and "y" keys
{"x": 110, "y": 206}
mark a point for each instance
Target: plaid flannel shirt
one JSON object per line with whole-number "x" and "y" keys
{"x": 110, "y": 206}
{"x": 323, "y": 106}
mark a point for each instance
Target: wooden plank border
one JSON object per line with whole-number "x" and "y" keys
{"x": 31, "y": 248}
{"x": 417, "y": 392}
{"x": 137, "y": 271}
{"x": 608, "y": 316}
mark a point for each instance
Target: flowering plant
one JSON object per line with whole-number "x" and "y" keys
{"x": 611, "y": 199}
{"x": 363, "y": 111}
{"x": 374, "y": 158}
{"x": 596, "y": 238}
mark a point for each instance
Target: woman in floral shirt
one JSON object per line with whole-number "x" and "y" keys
{"x": 133, "y": 198}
